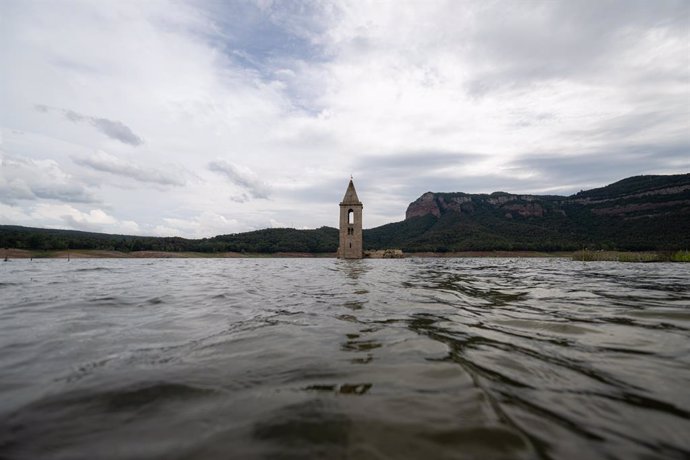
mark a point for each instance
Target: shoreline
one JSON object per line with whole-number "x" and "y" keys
{"x": 104, "y": 254}
{"x": 584, "y": 256}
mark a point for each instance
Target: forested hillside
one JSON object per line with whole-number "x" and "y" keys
{"x": 638, "y": 213}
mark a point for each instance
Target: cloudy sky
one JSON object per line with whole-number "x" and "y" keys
{"x": 201, "y": 118}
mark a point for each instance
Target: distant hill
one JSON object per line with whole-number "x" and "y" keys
{"x": 324, "y": 239}
{"x": 637, "y": 213}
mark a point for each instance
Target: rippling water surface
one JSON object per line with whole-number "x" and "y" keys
{"x": 320, "y": 358}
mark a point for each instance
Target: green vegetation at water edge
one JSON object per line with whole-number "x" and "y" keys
{"x": 618, "y": 256}
{"x": 681, "y": 256}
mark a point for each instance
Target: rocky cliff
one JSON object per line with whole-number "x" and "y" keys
{"x": 437, "y": 204}
{"x": 637, "y": 213}
{"x": 632, "y": 198}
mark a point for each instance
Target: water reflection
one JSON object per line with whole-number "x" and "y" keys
{"x": 470, "y": 288}
{"x": 360, "y": 345}
{"x": 354, "y": 304}
{"x": 353, "y": 268}
{"x": 345, "y": 389}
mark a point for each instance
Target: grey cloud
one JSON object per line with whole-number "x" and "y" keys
{"x": 402, "y": 177}
{"x": 618, "y": 129}
{"x": 12, "y": 193}
{"x": 262, "y": 37}
{"x": 112, "y": 128}
{"x": 116, "y": 130}
{"x": 527, "y": 119}
{"x": 63, "y": 192}
{"x": 408, "y": 177}
{"x": 570, "y": 173}
{"x": 414, "y": 161}
{"x": 401, "y": 174}
{"x": 564, "y": 39}
{"x": 241, "y": 177}
{"x": 73, "y": 116}
{"x": 256, "y": 34}
{"x": 387, "y": 196}
{"x": 324, "y": 193}
{"x": 602, "y": 167}
{"x": 414, "y": 186}
{"x": 397, "y": 180}
{"x": 71, "y": 222}
{"x": 28, "y": 180}
{"x": 243, "y": 198}
{"x": 408, "y": 173}
{"x": 110, "y": 164}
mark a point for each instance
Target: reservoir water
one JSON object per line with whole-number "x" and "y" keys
{"x": 322, "y": 358}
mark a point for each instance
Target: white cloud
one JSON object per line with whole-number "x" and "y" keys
{"x": 241, "y": 176}
{"x": 199, "y": 226}
{"x": 284, "y": 100}
{"x": 31, "y": 179}
{"x": 102, "y": 161}
{"x": 66, "y": 216}
{"x": 111, "y": 128}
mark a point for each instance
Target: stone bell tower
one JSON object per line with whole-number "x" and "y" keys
{"x": 350, "y": 225}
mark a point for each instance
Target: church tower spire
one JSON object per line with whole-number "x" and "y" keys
{"x": 350, "y": 225}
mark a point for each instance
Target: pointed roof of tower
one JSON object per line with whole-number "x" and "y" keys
{"x": 351, "y": 195}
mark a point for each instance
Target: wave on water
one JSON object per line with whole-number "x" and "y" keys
{"x": 321, "y": 358}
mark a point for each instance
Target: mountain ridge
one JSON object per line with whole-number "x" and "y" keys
{"x": 637, "y": 213}
{"x": 628, "y": 188}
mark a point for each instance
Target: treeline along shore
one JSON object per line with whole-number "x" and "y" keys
{"x": 642, "y": 213}
{"x": 582, "y": 255}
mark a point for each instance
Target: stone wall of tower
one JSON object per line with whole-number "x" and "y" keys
{"x": 350, "y": 233}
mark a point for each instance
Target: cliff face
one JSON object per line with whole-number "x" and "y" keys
{"x": 643, "y": 212}
{"x": 425, "y": 204}
{"x": 438, "y": 204}
{"x": 632, "y": 198}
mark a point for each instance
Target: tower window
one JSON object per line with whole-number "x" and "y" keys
{"x": 350, "y": 217}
